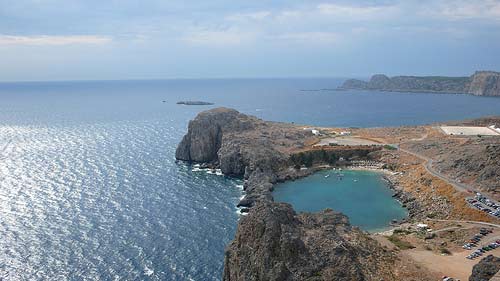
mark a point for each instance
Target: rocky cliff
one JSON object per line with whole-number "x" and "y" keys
{"x": 272, "y": 241}
{"x": 481, "y": 83}
{"x": 485, "y": 269}
{"x": 485, "y": 83}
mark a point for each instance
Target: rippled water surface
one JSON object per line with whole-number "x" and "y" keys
{"x": 89, "y": 188}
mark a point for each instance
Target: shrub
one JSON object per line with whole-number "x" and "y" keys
{"x": 445, "y": 251}
{"x": 401, "y": 244}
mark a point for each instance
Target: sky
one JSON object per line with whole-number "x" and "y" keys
{"x": 155, "y": 39}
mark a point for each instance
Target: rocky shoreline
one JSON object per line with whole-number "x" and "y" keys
{"x": 406, "y": 199}
{"x": 273, "y": 242}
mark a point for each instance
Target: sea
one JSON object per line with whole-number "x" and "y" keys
{"x": 90, "y": 189}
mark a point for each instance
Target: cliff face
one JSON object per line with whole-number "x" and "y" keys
{"x": 204, "y": 137}
{"x": 485, "y": 83}
{"x": 274, "y": 243}
{"x": 485, "y": 269}
{"x": 482, "y": 83}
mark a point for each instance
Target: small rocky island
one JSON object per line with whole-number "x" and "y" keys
{"x": 481, "y": 83}
{"x": 194, "y": 103}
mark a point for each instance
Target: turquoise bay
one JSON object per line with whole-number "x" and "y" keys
{"x": 362, "y": 195}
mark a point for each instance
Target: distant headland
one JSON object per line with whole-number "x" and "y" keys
{"x": 481, "y": 83}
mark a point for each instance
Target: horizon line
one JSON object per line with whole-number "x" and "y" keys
{"x": 181, "y": 78}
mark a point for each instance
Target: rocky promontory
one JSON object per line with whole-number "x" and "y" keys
{"x": 272, "y": 241}
{"x": 259, "y": 151}
{"x": 241, "y": 146}
{"x": 481, "y": 83}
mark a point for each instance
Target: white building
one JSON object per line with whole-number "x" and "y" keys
{"x": 314, "y": 131}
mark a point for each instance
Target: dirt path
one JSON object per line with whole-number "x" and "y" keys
{"x": 462, "y": 221}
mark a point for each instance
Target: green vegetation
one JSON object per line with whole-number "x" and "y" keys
{"x": 391, "y": 166}
{"x": 401, "y": 244}
{"x": 401, "y": 231}
{"x": 443, "y": 78}
{"x": 308, "y": 158}
{"x": 431, "y": 215}
{"x": 390, "y": 147}
{"x": 445, "y": 251}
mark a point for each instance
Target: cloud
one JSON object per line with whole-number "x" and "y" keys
{"x": 468, "y": 10}
{"x": 310, "y": 37}
{"x": 351, "y": 11}
{"x": 47, "y": 40}
{"x": 255, "y": 16}
{"x": 218, "y": 38}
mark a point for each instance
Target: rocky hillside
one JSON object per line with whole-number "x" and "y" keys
{"x": 485, "y": 269}
{"x": 472, "y": 160}
{"x": 274, "y": 243}
{"x": 481, "y": 83}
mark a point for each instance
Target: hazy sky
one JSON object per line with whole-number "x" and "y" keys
{"x": 145, "y": 39}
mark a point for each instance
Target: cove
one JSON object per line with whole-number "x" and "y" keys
{"x": 361, "y": 195}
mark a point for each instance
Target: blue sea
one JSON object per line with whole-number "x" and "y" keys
{"x": 90, "y": 189}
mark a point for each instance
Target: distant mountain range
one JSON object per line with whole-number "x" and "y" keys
{"x": 481, "y": 83}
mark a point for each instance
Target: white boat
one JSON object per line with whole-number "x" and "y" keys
{"x": 327, "y": 176}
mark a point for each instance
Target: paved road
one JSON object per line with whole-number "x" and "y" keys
{"x": 428, "y": 167}
{"x": 460, "y": 187}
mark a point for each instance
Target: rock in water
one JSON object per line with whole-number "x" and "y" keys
{"x": 194, "y": 103}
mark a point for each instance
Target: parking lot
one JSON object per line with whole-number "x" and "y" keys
{"x": 485, "y": 204}
{"x": 481, "y": 243}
